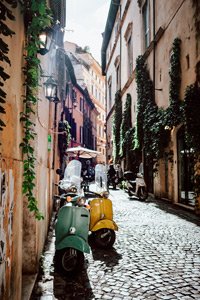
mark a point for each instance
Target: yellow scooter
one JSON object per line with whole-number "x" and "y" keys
{"x": 102, "y": 225}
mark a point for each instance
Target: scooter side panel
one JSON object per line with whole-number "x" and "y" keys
{"x": 100, "y": 209}
{"x": 72, "y": 219}
{"x": 105, "y": 224}
{"x": 73, "y": 241}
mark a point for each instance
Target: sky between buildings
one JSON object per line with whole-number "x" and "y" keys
{"x": 87, "y": 19}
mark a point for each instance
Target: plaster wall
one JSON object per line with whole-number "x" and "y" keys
{"x": 78, "y": 116}
{"x": 132, "y": 19}
{"x": 176, "y": 17}
{"x": 179, "y": 25}
{"x": 11, "y": 250}
{"x": 21, "y": 236}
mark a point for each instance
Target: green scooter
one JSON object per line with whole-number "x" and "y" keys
{"x": 71, "y": 232}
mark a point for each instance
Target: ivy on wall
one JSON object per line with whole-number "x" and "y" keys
{"x": 37, "y": 18}
{"x": 153, "y": 123}
{"x": 126, "y": 134}
{"x": 192, "y": 125}
{"x": 196, "y": 5}
{"x": 191, "y": 116}
{"x": 147, "y": 128}
{"x": 64, "y": 137}
{"x": 117, "y": 119}
{"x": 125, "y": 125}
{"x": 5, "y": 31}
{"x": 173, "y": 112}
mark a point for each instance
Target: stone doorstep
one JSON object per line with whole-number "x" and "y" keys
{"x": 28, "y": 282}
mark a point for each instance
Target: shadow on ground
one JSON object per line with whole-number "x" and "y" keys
{"x": 75, "y": 287}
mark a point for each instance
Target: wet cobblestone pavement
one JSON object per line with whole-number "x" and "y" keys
{"x": 156, "y": 256}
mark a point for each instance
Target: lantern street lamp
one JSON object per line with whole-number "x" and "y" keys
{"x": 45, "y": 39}
{"x": 51, "y": 90}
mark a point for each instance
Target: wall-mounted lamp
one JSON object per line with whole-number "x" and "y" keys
{"x": 45, "y": 38}
{"x": 51, "y": 90}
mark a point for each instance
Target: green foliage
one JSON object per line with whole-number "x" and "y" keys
{"x": 191, "y": 116}
{"x": 125, "y": 126}
{"x": 117, "y": 119}
{"x": 67, "y": 130}
{"x": 38, "y": 18}
{"x": 5, "y": 31}
{"x": 148, "y": 115}
{"x": 192, "y": 125}
{"x": 127, "y": 134}
{"x": 153, "y": 123}
{"x": 65, "y": 137}
{"x": 173, "y": 113}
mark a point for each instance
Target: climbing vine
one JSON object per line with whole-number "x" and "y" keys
{"x": 196, "y": 5}
{"x": 146, "y": 133}
{"x": 64, "y": 136}
{"x": 173, "y": 113}
{"x": 126, "y": 134}
{"x": 125, "y": 125}
{"x": 5, "y": 31}
{"x": 192, "y": 125}
{"x": 153, "y": 123}
{"x": 117, "y": 119}
{"x": 191, "y": 116}
{"x": 37, "y": 17}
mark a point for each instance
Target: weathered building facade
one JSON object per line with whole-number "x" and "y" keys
{"x": 88, "y": 75}
{"x": 158, "y": 42}
{"x": 22, "y": 236}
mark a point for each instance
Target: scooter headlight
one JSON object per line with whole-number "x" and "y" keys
{"x": 72, "y": 230}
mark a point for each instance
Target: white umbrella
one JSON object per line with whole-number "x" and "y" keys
{"x": 83, "y": 152}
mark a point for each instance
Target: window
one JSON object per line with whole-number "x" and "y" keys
{"x": 117, "y": 27}
{"x": 110, "y": 93}
{"x": 117, "y": 77}
{"x": 81, "y": 134}
{"x": 129, "y": 44}
{"x": 145, "y": 14}
{"x": 81, "y": 104}
{"x": 117, "y": 66}
{"x": 130, "y": 55}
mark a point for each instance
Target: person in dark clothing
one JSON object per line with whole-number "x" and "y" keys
{"x": 112, "y": 176}
{"x": 111, "y": 171}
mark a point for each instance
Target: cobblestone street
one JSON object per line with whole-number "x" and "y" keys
{"x": 156, "y": 256}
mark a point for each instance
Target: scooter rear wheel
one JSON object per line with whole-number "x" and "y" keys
{"x": 69, "y": 261}
{"x": 104, "y": 238}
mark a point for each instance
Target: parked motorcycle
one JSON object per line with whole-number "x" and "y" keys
{"x": 130, "y": 185}
{"x": 102, "y": 225}
{"x": 71, "y": 232}
{"x": 71, "y": 183}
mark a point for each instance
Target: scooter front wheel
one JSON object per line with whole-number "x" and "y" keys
{"x": 104, "y": 238}
{"x": 68, "y": 261}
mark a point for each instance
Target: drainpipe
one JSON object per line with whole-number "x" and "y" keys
{"x": 54, "y": 139}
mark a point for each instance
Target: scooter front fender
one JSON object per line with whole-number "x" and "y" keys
{"x": 73, "y": 241}
{"x": 104, "y": 224}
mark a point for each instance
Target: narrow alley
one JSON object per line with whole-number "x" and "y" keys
{"x": 156, "y": 256}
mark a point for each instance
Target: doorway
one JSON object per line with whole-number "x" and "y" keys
{"x": 185, "y": 157}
